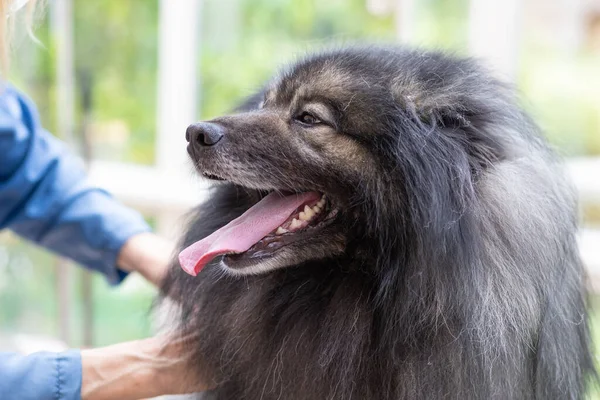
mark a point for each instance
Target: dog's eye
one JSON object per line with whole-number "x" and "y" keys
{"x": 307, "y": 118}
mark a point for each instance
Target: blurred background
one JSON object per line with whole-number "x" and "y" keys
{"x": 121, "y": 79}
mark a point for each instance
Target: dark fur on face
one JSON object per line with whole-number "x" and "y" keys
{"x": 447, "y": 266}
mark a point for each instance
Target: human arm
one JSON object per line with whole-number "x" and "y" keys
{"x": 46, "y": 198}
{"x": 141, "y": 369}
{"x": 126, "y": 371}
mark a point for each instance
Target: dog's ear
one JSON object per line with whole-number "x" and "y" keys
{"x": 474, "y": 136}
{"x": 466, "y": 124}
{"x": 456, "y": 98}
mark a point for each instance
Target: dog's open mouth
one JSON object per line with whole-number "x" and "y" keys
{"x": 276, "y": 221}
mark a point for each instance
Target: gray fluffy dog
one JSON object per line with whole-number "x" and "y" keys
{"x": 389, "y": 224}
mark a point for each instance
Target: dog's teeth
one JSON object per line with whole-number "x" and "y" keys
{"x": 303, "y": 216}
{"x": 295, "y": 224}
{"x": 316, "y": 209}
{"x": 321, "y": 202}
{"x": 308, "y": 213}
{"x": 281, "y": 231}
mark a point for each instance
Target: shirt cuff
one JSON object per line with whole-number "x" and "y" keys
{"x": 41, "y": 376}
{"x": 69, "y": 375}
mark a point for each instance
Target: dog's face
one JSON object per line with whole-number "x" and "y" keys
{"x": 331, "y": 125}
{"x": 310, "y": 132}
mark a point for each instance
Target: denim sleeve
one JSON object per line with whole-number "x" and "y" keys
{"x": 45, "y": 196}
{"x": 40, "y": 376}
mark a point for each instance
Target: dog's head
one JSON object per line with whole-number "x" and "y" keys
{"x": 342, "y": 141}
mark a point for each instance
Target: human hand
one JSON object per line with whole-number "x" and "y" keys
{"x": 148, "y": 254}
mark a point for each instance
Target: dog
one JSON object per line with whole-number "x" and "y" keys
{"x": 386, "y": 223}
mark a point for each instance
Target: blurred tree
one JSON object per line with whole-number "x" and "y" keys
{"x": 243, "y": 43}
{"x": 115, "y": 44}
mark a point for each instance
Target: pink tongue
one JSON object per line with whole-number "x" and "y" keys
{"x": 245, "y": 231}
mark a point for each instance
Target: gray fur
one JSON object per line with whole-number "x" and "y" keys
{"x": 450, "y": 271}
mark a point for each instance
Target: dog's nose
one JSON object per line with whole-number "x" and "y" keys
{"x": 204, "y": 134}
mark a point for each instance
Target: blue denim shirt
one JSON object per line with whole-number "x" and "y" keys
{"x": 45, "y": 197}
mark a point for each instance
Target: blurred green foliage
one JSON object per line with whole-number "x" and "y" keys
{"x": 243, "y": 42}
{"x": 563, "y": 93}
{"x": 29, "y": 302}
